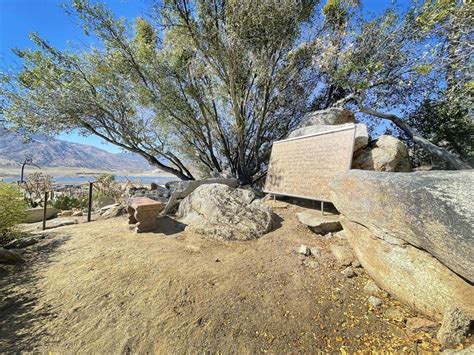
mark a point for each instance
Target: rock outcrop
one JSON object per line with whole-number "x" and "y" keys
{"x": 413, "y": 234}
{"x": 411, "y": 275}
{"x": 429, "y": 210}
{"x": 218, "y": 211}
{"x": 387, "y": 154}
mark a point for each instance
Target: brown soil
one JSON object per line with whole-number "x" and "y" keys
{"x": 100, "y": 288}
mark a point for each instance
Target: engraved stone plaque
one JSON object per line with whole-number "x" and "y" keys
{"x": 305, "y": 166}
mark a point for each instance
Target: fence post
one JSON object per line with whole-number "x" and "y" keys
{"x": 45, "y": 208}
{"x": 89, "y": 208}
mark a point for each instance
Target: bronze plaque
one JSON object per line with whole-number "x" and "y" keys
{"x": 304, "y": 166}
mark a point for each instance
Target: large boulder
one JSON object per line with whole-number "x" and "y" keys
{"x": 220, "y": 212}
{"x": 387, "y": 154}
{"x": 34, "y": 215}
{"x": 429, "y": 210}
{"x": 181, "y": 189}
{"x": 330, "y": 116}
{"x": 361, "y": 134}
{"x": 410, "y": 274}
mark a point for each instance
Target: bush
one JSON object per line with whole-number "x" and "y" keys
{"x": 106, "y": 185}
{"x": 12, "y": 207}
{"x": 36, "y": 185}
{"x": 65, "y": 202}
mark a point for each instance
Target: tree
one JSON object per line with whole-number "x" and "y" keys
{"x": 338, "y": 14}
{"x": 447, "y": 116}
{"x": 221, "y": 82}
{"x": 383, "y": 63}
{"x": 440, "y": 122}
{"x": 215, "y": 82}
{"x": 58, "y": 91}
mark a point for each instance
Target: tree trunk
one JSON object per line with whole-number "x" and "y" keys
{"x": 454, "y": 162}
{"x": 154, "y": 162}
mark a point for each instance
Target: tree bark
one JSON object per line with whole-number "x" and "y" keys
{"x": 454, "y": 162}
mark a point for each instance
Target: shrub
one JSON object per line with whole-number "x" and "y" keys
{"x": 65, "y": 202}
{"x": 36, "y": 185}
{"x": 12, "y": 207}
{"x": 106, "y": 185}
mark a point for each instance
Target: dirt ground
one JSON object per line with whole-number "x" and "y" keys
{"x": 100, "y": 288}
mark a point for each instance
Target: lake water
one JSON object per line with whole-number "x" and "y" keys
{"x": 160, "y": 180}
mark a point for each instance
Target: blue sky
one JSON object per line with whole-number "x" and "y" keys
{"x": 18, "y": 18}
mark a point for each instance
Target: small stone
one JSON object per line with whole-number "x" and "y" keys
{"x": 356, "y": 263}
{"x": 454, "y": 327}
{"x": 66, "y": 213}
{"x": 372, "y": 289}
{"x": 348, "y": 272}
{"x": 218, "y": 260}
{"x": 318, "y": 223}
{"x": 304, "y": 250}
{"x": 77, "y": 214}
{"x": 395, "y": 314}
{"x": 416, "y": 324}
{"x": 343, "y": 253}
{"x": 375, "y": 301}
{"x": 315, "y": 251}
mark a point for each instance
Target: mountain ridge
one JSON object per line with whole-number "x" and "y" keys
{"x": 53, "y": 152}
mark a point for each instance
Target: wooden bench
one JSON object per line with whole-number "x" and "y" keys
{"x": 143, "y": 212}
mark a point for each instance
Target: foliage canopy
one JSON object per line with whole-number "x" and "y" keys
{"x": 208, "y": 85}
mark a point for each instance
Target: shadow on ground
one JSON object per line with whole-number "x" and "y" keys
{"x": 169, "y": 226}
{"x": 277, "y": 222}
{"x": 18, "y": 313}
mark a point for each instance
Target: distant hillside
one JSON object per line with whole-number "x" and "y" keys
{"x": 57, "y": 153}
